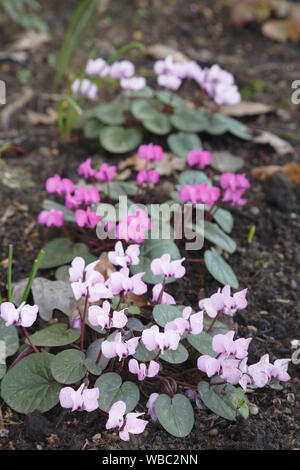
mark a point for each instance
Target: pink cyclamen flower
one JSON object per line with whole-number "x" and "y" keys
{"x": 81, "y": 399}
{"x": 133, "y": 227}
{"x": 165, "y": 267}
{"x": 225, "y": 345}
{"x": 106, "y": 172}
{"x": 122, "y": 69}
{"x": 86, "y": 281}
{"x": 86, "y": 218}
{"x": 87, "y": 196}
{"x": 154, "y": 339}
{"x": 209, "y": 365}
{"x": 219, "y": 85}
{"x": 150, "y": 152}
{"x": 56, "y": 184}
{"x": 166, "y": 298}
{"x": 151, "y": 406}
{"x": 234, "y": 187}
{"x": 119, "y": 257}
{"x": 85, "y": 169}
{"x": 77, "y": 323}
{"x": 133, "y": 83}
{"x": 97, "y": 67}
{"x": 100, "y": 316}
{"x": 51, "y": 218}
{"x": 119, "y": 348}
{"x": 199, "y": 193}
{"x": 129, "y": 424}
{"x": 147, "y": 177}
{"x": 187, "y": 323}
{"x": 119, "y": 281}
{"x": 142, "y": 370}
{"x": 84, "y": 88}
{"x": 25, "y": 315}
{"x": 199, "y": 158}
{"x": 169, "y": 81}
{"x": 223, "y": 301}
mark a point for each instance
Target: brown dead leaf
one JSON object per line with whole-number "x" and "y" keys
{"x": 169, "y": 164}
{"x": 290, "y": 169}
{"x": 137, "y": 300}
{"x": 281, "y": 146}
{"x": 134, "y": 161}
{"x": 124, "y": 175}
{"x": 30, "y": 40}
{"x": 105, "y": 267}
{"x": 282, "y": 30}
{"x": 36, "y": 118}
{"x": 246, "y": 108}
{"x": 161, "y": 51}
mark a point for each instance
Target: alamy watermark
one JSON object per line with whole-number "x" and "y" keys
{"x": 2, "y": 353}
{"x": 296, "y": 94}
{"x": 2, "y": 92}
{"x": 188, "y": 221}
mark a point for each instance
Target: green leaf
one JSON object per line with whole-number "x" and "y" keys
{"x": 169, "y": 98}
{"x": 92, "y": 367}
{"x": 110, "y": 113}
{"x": 149, "y": 250}
{"x": 68, "y": 366}
{"x": 62, "y": 273}
{"x": 203, "y": 343}
{"x": 117, "y": 139}
{"x": 55, "y": 335}
{"x": 163, "y": 314}
{"x": 238, "y": 129}
{"x": 189, "y": 119}
{"x": 175, "y": 357}
{"x": 158, "y": 123}
{"x": 92, "y": 128}
{"x": 214, "y": 234}
{"x": 217, "y": 124}
{"x": 182, "y": 143}
{"x": 119, "y": 188}
{"x": 175, "y": 414}
{"x": 223, "y": 218}
{"x": 192, "y": 177}
{"x": 221, "y": 399}
{"x": 30, "y": 386}
{"x": 111, "y": 390}
{"x": 69, "y": 216}
{"x": 219, "y": 269}
{"x": 142, "y": 354}
{"x": 9, "y": 335}
{"x": 61, "y": 251}
{"x": 144, "y": 109}
{"x": 146, "y": 92}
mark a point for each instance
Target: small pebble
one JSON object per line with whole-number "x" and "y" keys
{"x": 96, "y": 437}
{"x": 293, "y": 215}
{"x": 213, "y": 432}
{"x": 253, "y": 410}
{"x": 39, "y": 447}
{"x": 294, "y": 284}
{"x": 254, "y": 210}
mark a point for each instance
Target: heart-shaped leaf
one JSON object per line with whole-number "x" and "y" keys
{"x": 110, "y": 113}
{"x": 91, "y": 128}
{"x": 219, "y": 269}
{"x": 9, "y": 335}
{"x": 189, "y": 120}
{"x": 223, "y": 218}
{"x": 120, "y": 188}
{"x": 221, "y": 399}
{"x": 175, "y": 357}
{"x": 30, "y": 386}
{"x": 61, "y": 251}
{"x": 68, "y": 366}
{"x": 192, "y": 177}
{"x": 214, "y": 234}
{"x": 175, "y": 414}
{"x": 163, "y": 314}
{"x": 182, "y": 143}
{"x": 143, "y": 109}
{"x": 146, "y": 92}
{"x": 111, "y": 390}
{"x": 169, "y": 98}
{"x": 142, "y": 354}
{"x": 158, "y": 123}
{"x": 117, "y": 139}
{"x": 55, "y": 335}
{"x": 203, "y": 343}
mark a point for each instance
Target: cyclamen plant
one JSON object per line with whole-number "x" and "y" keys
{"x": 186, "y": 100}
{"x": 195, "y": 190}
{"x": 157, "y": 365}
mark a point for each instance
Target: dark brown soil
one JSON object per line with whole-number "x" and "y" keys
{"x": 269, "y": 266}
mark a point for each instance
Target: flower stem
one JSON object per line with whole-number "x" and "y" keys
{"x": 29, "y": 340}
{"x": 162, "y": 291}
{"x": 9, "y": 270}
{"x": 83, "y": 319}
{"x": 213, "y": 322}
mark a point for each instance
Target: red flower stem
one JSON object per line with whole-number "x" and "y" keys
{"x": 83, "y": 319}
{"x": 162, "y": 291}
{"x": 100, "y": 351}
{"x": 213, "y": 322}
{"x": 29, "y": 340}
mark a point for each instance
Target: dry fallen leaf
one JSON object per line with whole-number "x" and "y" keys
{"x": 134, "y": 161}
{"x": 169, "y": 164}
{"x": 160, "y": 51}
{"x": 281, "y": 30}
{"x": 124, "y": 175}
{"x": 246, "y": 108}
{"x": 30, "y": 40}
{"x": 36, "y": 118}
{"x": 23, "y": 98}
{"x": 105, "y": 267}
{"x": 290, "y": 169}
{"x": 137, "y": 300}
{"x": 281, "y": 146}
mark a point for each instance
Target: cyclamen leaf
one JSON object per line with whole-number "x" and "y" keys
{"x": 163, "y": 314}
{"x": 221, "y": 399}
{"x": 183, "y": 142}
{"x": 9, "y": 336}
{"x": 55, "y": 335}
{"x": 215, "y": 235}
{"x": 117, "y": 139}
{"x": 68, "y": 366}
{"x": 61, "y": 251}
{"x": 203, "y": 343}
{"x": 175, "y": 357}
{"x": 111, "y": 390}
{"x": 219, "y": 269}
{"x": 30, "y": 386}
{"x": 175, "y": 414}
